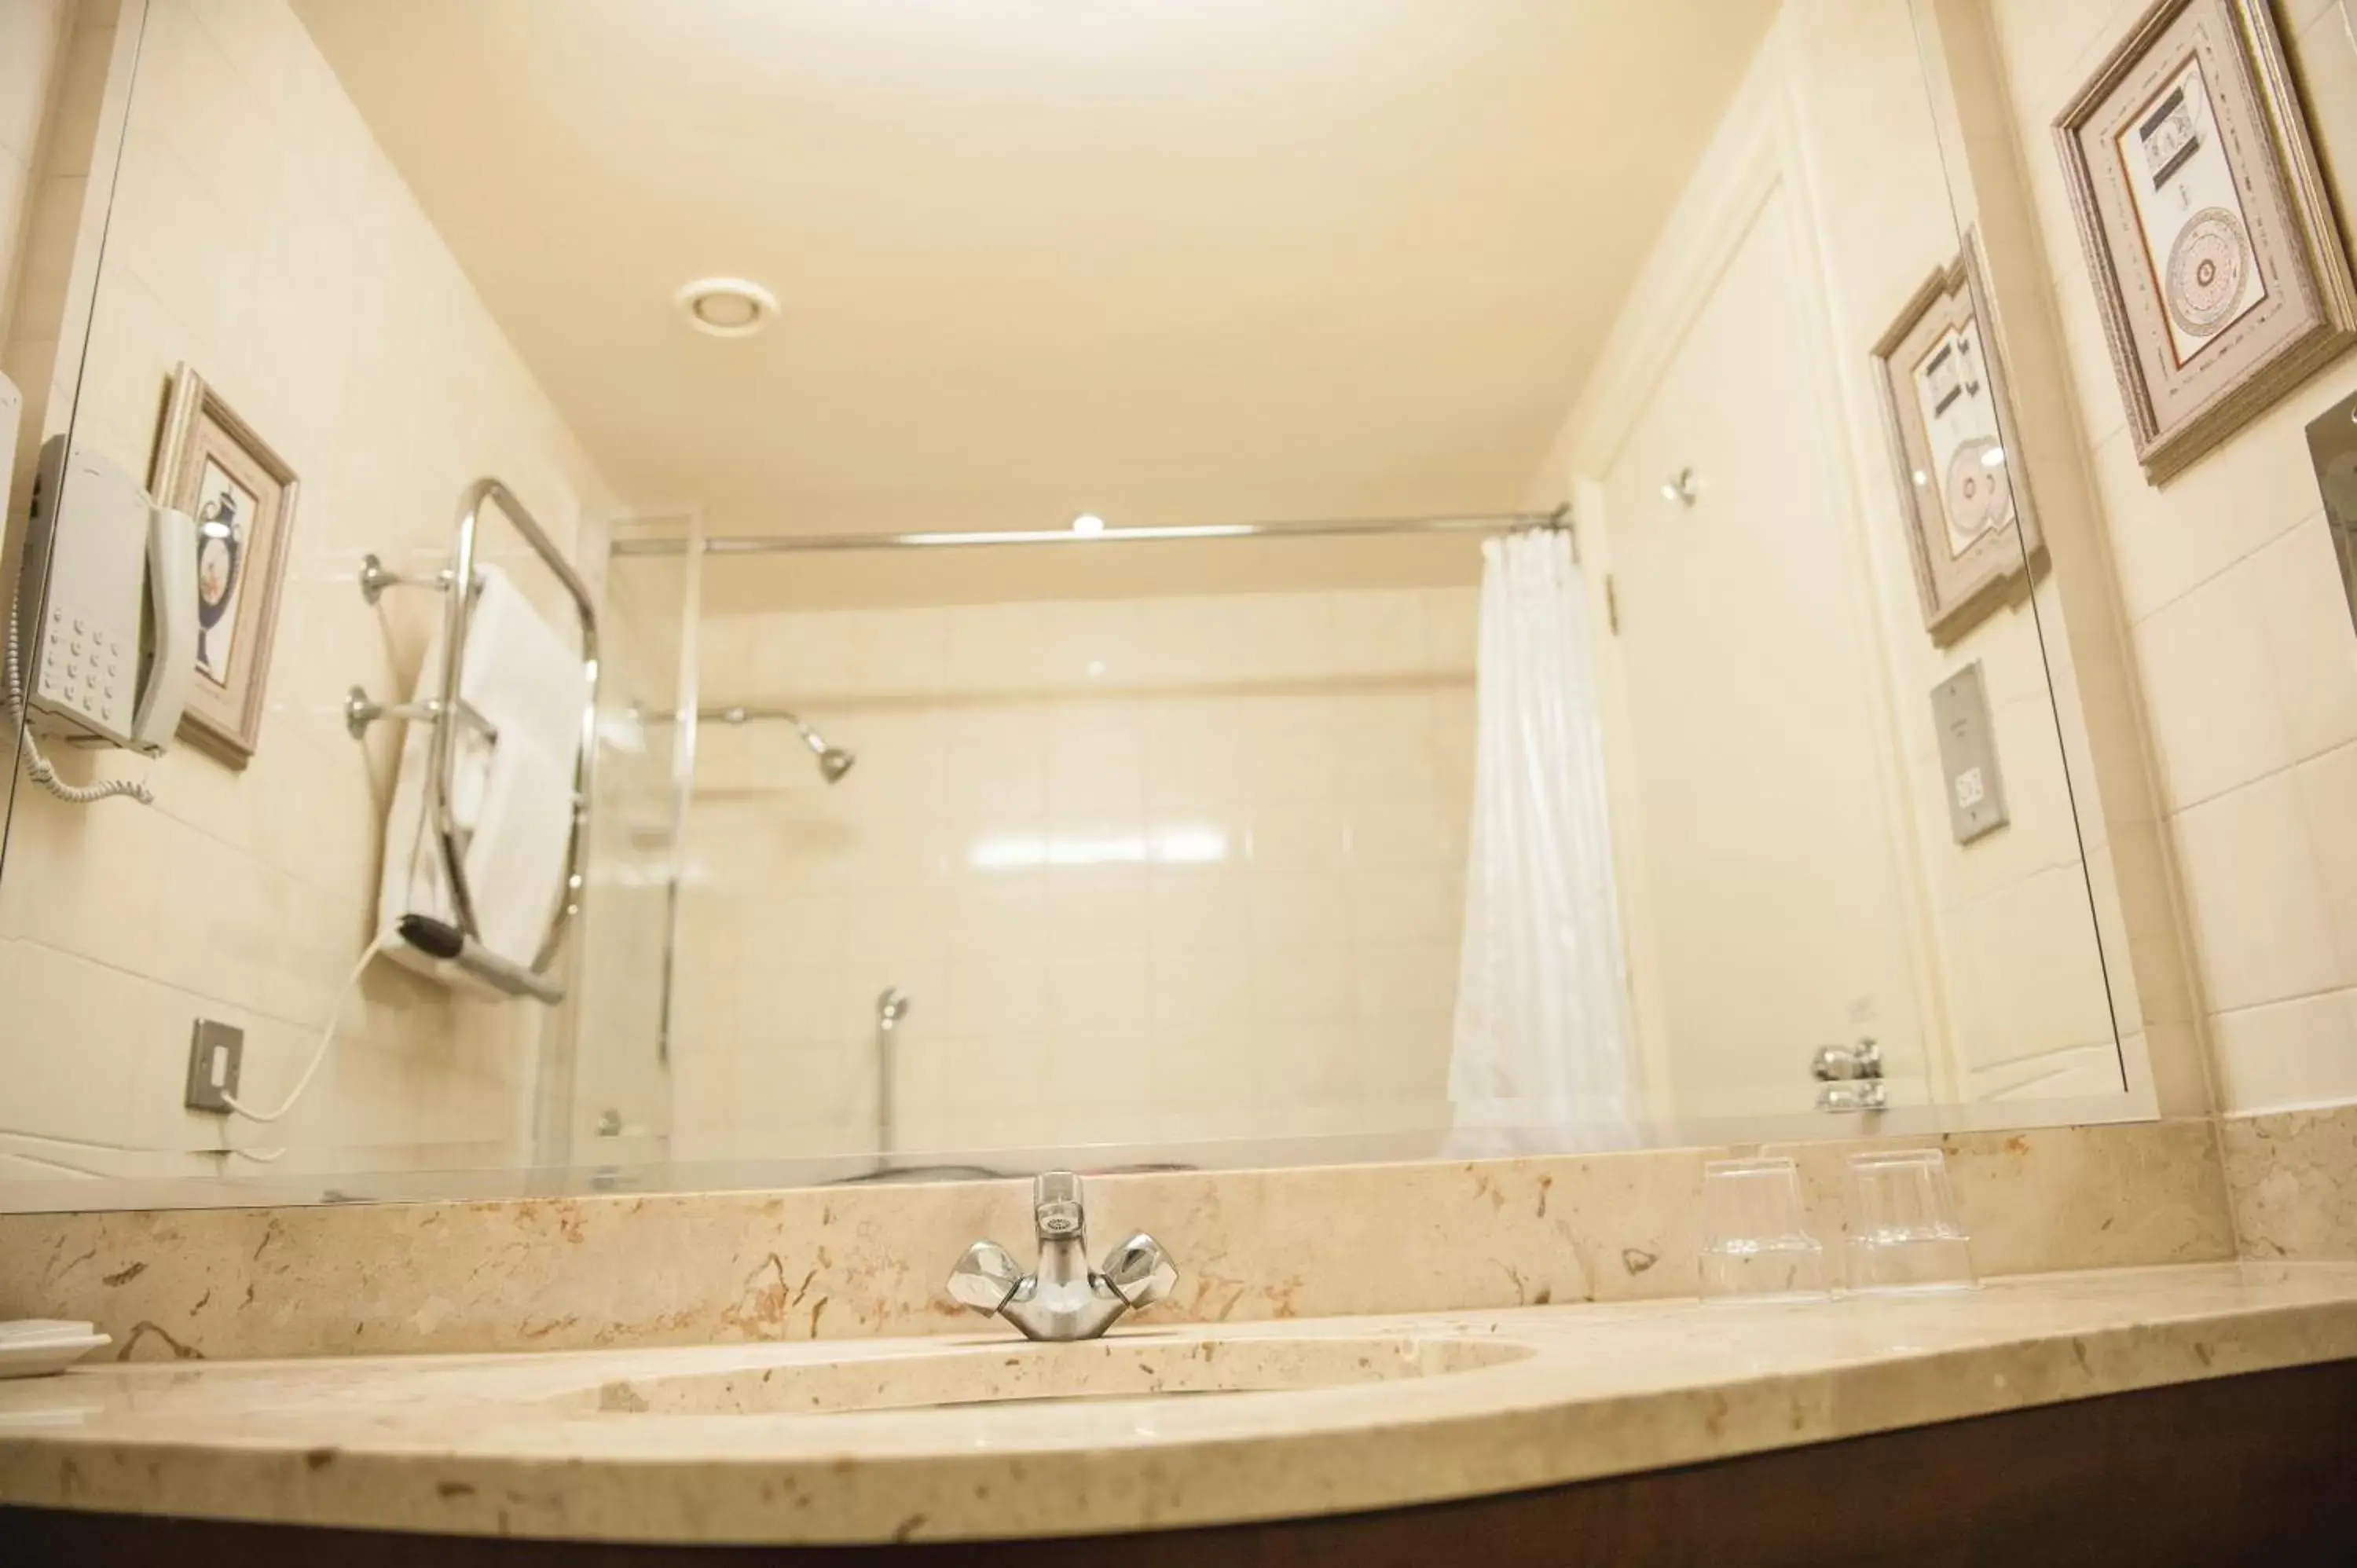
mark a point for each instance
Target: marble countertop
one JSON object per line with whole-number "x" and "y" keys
{"x": 717, "y": 1444}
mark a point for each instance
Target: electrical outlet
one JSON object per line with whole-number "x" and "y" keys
{"x": 216, "y": 1056}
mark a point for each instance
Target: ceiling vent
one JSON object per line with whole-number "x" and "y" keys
{"x": 726, "y": 307}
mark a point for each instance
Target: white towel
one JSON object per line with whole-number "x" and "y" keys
{"x": 512, "y": 798}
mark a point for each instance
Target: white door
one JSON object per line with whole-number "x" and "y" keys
{"x": 1769, "y": 903}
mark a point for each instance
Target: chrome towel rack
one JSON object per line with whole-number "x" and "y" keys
{"x": 460, "y": 943}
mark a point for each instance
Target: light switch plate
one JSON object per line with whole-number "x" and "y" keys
{"x": 1975, "y": 790}
{"x": 215, "y": 1058}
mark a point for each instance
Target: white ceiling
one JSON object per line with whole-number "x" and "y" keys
{"x": 1160, "y": 259}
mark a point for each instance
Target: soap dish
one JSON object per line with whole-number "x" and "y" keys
{"x": 44, "y": 1345}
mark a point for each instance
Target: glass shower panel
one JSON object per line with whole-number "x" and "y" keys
{"x": 614, "y": 1094}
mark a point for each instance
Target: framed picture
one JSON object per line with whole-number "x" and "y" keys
{"x": 1971, "y": 527}
{"x": 211, "y": 464}
{"x": 2207, "y": 227}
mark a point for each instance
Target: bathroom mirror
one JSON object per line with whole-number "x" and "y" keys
{"x": 1206, "y": 585}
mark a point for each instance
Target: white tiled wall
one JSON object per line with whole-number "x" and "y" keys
{"x": 260, "y": 235}
{"x": 2239, "y": 628}
{"x": 1152, "y": 869}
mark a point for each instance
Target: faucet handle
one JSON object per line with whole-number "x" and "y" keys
{"x": 1843, "y": 1064}
{"x": 1858, "y": 1094}
{"x": 985, "y": 1279}
{"x": 1140, "y": 1271}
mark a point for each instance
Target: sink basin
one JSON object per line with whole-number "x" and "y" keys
{"x": 896, "y": 1174}
{"x": 1129, "y": 1367}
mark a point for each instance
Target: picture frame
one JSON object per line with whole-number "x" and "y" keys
{"x": 1972, "y": 526}
{"x": 212, "y": 465}
{"x": 2207, "y": 226}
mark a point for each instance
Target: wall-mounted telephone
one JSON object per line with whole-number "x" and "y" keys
{"x": 112, "y": 578}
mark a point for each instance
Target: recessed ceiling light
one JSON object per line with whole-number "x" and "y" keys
{"x": 726, "y": 307}
{"x": 1088, "y": 522}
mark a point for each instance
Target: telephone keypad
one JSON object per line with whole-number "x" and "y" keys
{"x": 80, "y": 678}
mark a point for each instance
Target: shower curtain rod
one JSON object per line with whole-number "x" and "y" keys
{"x": 1327, "y": 528}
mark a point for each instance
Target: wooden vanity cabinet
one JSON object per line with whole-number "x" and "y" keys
{"x": 2258, "y": 1470}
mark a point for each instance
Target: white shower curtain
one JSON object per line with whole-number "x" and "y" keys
{"x": 1544, "y": 1055}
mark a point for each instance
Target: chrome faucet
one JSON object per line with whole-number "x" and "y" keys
{"x": 1852, "y": 1077}
{"x": 1063, "y": 1298}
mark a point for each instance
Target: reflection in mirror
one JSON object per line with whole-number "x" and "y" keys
{"x": 1172, "y": 587}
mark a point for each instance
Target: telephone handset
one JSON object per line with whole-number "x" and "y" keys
{"x": 111, "y": 661}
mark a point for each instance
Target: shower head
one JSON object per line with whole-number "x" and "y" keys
{"x": 833, "y": 762}
{"x": 891, "y": 1007}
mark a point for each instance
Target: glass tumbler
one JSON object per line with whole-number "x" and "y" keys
{"x": 1754, "y": 1245}
{"x": 1903, "y": 1230}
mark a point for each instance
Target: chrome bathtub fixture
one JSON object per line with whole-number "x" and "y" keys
{"x": 1062, "y": 1299}
{"x": 833, "y": 762}
{"x": 1852, "y": 1077}
{"x": 891, "y": 1007}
